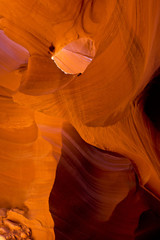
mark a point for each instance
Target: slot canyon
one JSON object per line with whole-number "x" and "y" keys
{"x": 80, "y": 119}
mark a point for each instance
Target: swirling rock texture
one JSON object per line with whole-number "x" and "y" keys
{"x": 99, "y": 123}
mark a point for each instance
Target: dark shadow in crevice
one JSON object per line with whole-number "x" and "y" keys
{"x": 151, "y": 100}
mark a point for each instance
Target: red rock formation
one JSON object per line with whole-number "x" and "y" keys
{"x": 98, "y": 124}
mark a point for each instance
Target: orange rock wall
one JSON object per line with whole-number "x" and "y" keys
{"x": 93, "y": 124}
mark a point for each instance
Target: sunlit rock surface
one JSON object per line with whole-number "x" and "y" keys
{"x": 99, "y": 123}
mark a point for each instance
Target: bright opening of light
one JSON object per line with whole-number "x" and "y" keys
{"x": 76, "y": 56}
